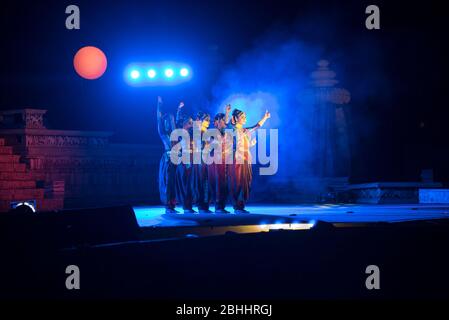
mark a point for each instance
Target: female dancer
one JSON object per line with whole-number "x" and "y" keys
{"x": 167, "y": 192}
{"x": 240, "y": 177}
{"x": 218, "y": 173}
{"x": 184, "y": 191}
{"x": 200, "y": 174}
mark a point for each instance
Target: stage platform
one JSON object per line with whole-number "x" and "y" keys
{"x": 228, "y": 257}
{"x": 155, "y": 217}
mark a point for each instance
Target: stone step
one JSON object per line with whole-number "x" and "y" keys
{"x": 24, "y": 184}
{"x": 50, "y": 204}
{"x": 9, "y": 158}
{"x": 20, "y": 176}
{"x": 12, "y": 167}
{"x": 22, "y": 194}
{"x": 5, "y": 150}
{"x": 433, "y": 195}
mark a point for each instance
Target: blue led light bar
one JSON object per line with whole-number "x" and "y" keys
{"x": 157, "y": 73}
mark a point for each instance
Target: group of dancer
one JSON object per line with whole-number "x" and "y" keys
{"x": 203, "y": 184}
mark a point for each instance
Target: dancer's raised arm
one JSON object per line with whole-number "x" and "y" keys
{"x": 178, "y": 112}
{"x": 266, "y": 116}
{"x": 261, "y": 122}
{"x": 227, "y": 113}
{"x": 159, "y": 106}
{"x": 160, "y": 126}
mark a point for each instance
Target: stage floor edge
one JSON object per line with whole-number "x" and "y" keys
{"x": 154, "y": 216}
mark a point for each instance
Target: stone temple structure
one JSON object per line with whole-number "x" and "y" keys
{"x": 68, "y": 169}
{"x": 323, "y": 169}
{"x": 329, "y": 168}
{"x": 332, "y": 154}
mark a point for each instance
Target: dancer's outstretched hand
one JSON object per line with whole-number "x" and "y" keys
{"x": 181, "y": 104}
{"x": 267, "y": 115}
{"x": 228, "y": 108}
{"x": 159, "y": 99}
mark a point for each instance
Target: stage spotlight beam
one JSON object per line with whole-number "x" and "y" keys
{"x": 169, "y": 72}
{"x": 135, "y": 74}
{"x": 184, "y": 72}
{"x": 151, "y": 73}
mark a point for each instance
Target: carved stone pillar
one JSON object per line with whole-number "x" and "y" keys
{"x": 331, "y": 154}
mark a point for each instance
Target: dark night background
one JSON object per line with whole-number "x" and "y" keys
{"x": 398, "y": 121}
